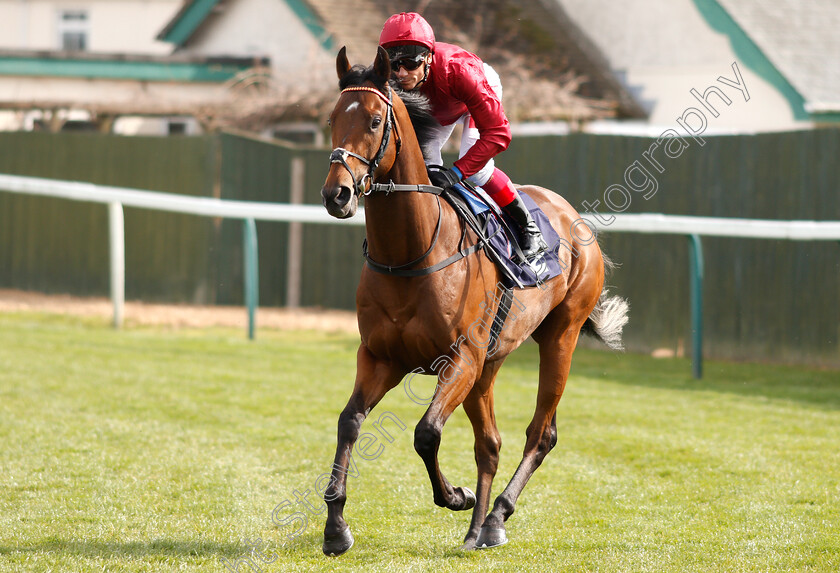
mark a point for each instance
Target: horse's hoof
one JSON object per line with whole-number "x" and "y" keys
{"x": 469, "y": 498}
{"x": 468, "y": 545}
{"x": 490, "y": 537}
{"x": 338, "y": 543}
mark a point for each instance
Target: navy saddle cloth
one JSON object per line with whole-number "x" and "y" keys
{"x": 546, "y": 266}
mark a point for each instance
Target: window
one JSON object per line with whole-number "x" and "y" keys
{"x": 177, "y": 128}
{"x": 73, "y": 30}
{"x": 77, "y": 125}
{"x": 302, "y": 133}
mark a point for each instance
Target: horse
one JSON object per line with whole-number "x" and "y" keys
{"x": 417, "y": 317}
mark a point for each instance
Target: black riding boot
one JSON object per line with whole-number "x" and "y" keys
{"x": 530, "y": 239}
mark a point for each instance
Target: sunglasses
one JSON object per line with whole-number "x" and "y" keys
{"x": 410, "y": 63}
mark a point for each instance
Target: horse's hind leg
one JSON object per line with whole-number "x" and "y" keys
{"x": 488, "y": 442}
{"x": 449, "y": 394}
{"x": 541, "y": 435}
{"x": 373, "y": 379}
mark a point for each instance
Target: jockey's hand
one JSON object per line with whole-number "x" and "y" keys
{"x": 445, "y": 178}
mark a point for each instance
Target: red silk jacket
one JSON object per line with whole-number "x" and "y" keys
{"x": 457, "y": 85}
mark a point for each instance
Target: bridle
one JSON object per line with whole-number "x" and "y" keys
{"x": 340, "y": 155}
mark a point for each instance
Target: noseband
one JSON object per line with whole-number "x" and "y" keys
{"x": 340, "y": 155}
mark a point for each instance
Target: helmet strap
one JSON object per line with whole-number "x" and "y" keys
{"x": 426, "y": 65}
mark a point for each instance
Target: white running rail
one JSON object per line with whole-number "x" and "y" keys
{"x": 653, "y": 223}
{"x": 117, "y": 198}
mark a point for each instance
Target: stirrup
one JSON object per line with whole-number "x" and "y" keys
{"x": 537, "y": 243}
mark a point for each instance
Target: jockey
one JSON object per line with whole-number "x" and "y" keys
{"x": 460, "y": 88}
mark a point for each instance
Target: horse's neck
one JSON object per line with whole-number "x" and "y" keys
{"x": 400, "y": 226}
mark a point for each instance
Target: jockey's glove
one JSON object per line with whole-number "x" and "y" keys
{"x": 445, "y": 178}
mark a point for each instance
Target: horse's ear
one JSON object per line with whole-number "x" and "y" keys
{"x": 342, "y": 65}
{"x": 382, "y": 64}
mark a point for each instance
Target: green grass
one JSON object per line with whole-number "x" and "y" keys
{"x": 162, "y": 450}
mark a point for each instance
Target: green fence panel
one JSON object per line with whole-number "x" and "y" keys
{"x": 253, "y": 170}
{"x": 332, "y": 262}
{"x": 257, "y": 170}
{"x": 54, "y": 245}
{"x": 763, "y": 299}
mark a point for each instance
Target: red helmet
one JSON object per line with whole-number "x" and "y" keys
{"x": 407, "y": 28}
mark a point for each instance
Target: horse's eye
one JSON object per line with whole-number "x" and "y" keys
{"x": 375, "y": 122}
{"x": 329, "y": 122}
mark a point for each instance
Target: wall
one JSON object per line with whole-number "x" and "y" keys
{"x": 125, "y": 26}
{"x": 255, "y": 170}
{"x": 278, "y": 33}
{"x": 59, "y": 246}
{"x": 771, "y": 299}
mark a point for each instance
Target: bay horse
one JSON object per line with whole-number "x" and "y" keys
{"x": 410, "y": 320}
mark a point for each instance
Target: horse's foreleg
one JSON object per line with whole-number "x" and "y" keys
{"x": 541, "y": 435}
{"x": 449, "y": 394}
{"x": 374, "y": 378}
{"x": 488, "y": 442}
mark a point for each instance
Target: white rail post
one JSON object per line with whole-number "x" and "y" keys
{"x": 116, "y": 233}
{"x": 294, "y": 256}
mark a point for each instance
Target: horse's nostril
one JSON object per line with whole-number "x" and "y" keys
{"x": 344, "y": 195}
{"x": 337, "y": 196}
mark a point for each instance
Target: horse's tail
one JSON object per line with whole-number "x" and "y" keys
{"x": 607, "y": 319}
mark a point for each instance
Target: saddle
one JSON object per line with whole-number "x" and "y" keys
{"x": 495, "y": 232}
{"x": 493, "y": 229}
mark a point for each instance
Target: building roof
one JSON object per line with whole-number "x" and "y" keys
{"x": 175, "y": 68}
{"x": 802, "y": 40}
{"x": 194, "y": 13}
{"x": 219, "y": 90}
{"x": 186, "y": 21}
{"x": 548, "y": 66}
{"x": 563, "y": 76}
{"x": 581, "y": 54}
{"x": 353, "y": 24}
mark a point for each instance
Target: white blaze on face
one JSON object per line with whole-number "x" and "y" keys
{"x": 351, "y": 107}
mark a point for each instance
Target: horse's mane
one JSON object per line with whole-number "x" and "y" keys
{"x": 417, "y": 105}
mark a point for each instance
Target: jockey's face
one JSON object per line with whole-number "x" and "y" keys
{"x": 411, "y": 79}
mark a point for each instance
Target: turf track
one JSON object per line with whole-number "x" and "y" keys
{"x": 167, "y": 450}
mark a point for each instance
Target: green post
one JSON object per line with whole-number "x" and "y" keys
{"x": 252, "y": 274}
{"x": 696, "y": 286}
